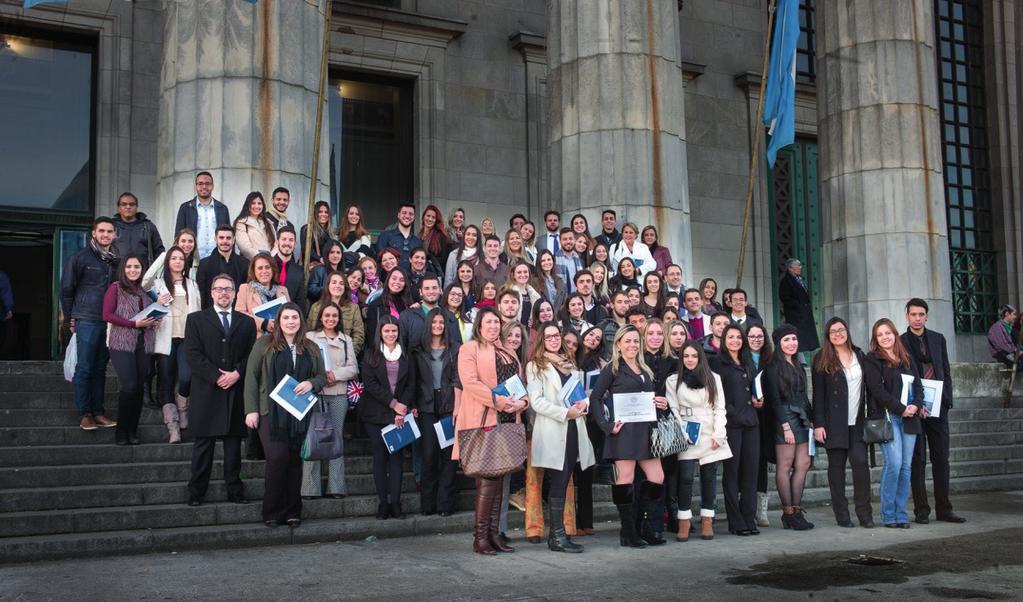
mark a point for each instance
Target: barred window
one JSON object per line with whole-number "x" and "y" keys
{"x": 806, "y": 46}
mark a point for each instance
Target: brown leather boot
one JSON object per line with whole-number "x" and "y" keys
{"x": 683, "y": 528}
{"x": 496, "y": 541}
{"x": 706, "y": 526}
{"x": 481, "y": 531}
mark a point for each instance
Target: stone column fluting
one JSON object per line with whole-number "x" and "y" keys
{"x": 616, "y": 129}
{"x": 885, "y": 231}
{"x": 238, "y": 92}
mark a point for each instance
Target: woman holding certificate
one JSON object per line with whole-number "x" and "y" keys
{"x": 784, "y": 384}
{"x": 285, "y": 353}
{"x": 739, "y": 480}
{"x": 696, "y": 396}
{"x": 483, "y": 364}
{"x": 559, "y": 426}
{"x": 629, "y": 384}
{"x": 389, "y": 393}
{"x": 885, "y": 373}
{"x": 261, "y": 288}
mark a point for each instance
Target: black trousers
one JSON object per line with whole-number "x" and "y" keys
{"x": 559, "y": 478}
{"x": 282, "y": 480}
{"x": 739, "y": 480}
{"x": 132, "y": 369}
{"x": 386, "y": 466}
{"x": 855, "y": 456}
{"x": 437, "y": 487}
{"x": 935, "y": 436}
{"x": 584, "y": 478}
{"x": 202, "y": 466}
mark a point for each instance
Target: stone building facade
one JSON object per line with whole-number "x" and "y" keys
{"x": 904, "y": 179}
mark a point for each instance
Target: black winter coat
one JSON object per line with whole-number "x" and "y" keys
{"x": 884, "y": 390}
{"x": 85, "y": 280}
{"x": 425, "y": 399}
{"x": 374, "y": 404}
{"x": 215, "y": 412}
{"x": 797, "y": 309}
{"x": 831, "y": 405}
{"x": 737, "y": 385}
{"x": 210, "y": 267}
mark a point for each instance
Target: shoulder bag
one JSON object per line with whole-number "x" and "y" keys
{"x": 667, "y": 438}
{"x": 322, "y": 441}
{"x": 492, "y": 451}
{"x": 878, "y": 430}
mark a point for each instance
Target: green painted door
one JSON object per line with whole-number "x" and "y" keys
{"x": 794, "y": 207}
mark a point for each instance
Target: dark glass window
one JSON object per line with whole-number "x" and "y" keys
{"x": 806, "y": 47}
{"x": 46, "y": 120}
{"x": 371, "y": 159}
{"x": 965, "y": 156}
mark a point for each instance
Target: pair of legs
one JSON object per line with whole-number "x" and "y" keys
{"x": 708, "y": 488}
{"x": 386, "y": 469}
{"x": 895, "y": 475}
{"x": 534, "y": 499}
{"x": 650, "y": 495}
{"x": 793, "y": 464}
{"x": 132, "y": 369}
{"x": 437, "y": 488}
{"x": 739, "y": 480}
{"x": 91, "y": 367}
{"x": 934, "y": 438}
{"x": 202, "y": 466}
{"x": 282, "y": 480}
{"x": 312, "y": 485}
{"x": 855, "y": 456}
{"x": 173, "y": 370}
{"x": 486, "y": 532}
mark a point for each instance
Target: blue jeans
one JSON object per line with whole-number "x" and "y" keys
{"x": 895, "y": 475}
{"x": 91, "y": 370}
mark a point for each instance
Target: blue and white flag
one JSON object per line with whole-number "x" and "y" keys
{"x": 780, "y": 94}
{"x": 31, "y": 3}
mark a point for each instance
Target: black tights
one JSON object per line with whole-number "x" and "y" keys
{"x": 793, "y": 464}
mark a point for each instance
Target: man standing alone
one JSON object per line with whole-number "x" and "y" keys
{"x": 217, "y": 343}
{"x": 796, "y": 305}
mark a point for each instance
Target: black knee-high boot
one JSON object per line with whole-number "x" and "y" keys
{"x": 651, "y": 494}
{"x": 622, "y": 496}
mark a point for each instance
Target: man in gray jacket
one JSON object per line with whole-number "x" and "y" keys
{"x": 135, "y": 233}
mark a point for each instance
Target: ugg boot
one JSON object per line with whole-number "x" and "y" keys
{"x": 182, "y": 403}
{"x": 706, "y": 524}
{"x": 651, "y": 494}
{"x": 622, "y": 496}
{"x": 170, "y": 418}
{"x": 685, "y": 519}
{"x": 762, "y": 520}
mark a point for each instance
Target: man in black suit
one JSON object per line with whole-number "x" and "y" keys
{"x": 289, "y": 268}
{"x": 930, "y": 351}
{"x": 217, "y": 345}
{"x": 796, "y": 305}
{"x": 223, "y": 261}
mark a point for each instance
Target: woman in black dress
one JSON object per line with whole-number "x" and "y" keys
{"x": 739, "y": 480}
{"x": 628, "y": 444}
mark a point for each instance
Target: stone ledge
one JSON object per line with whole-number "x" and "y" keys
{"x": 397, "y": 18}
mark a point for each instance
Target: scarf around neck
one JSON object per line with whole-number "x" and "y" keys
{"x": 391, "y": 356}
{"x": 104, "y": 256}
{"x": 560, "y": 363}
{"x": 266, "y": 294}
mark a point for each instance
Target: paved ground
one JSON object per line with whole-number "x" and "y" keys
{"x": 978, "y": 560}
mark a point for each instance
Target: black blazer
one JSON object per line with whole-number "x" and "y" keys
{"x": 215, "y": 412}
{"x": 188, "y": 215}
{"x": 449, "y": 381}
{"x": 374, "y": 404}
{"x": 884, "y": 389}
{"x": 942, "y": 370}
{"x": 792, "y": 407}
{"x": 831, "y": 404}
{"x": 237, "y": 268}
{"x": 737, "y": 385}
{"x": 294, "y": 281}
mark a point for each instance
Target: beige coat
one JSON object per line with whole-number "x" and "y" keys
{"x": 249, "y": 300}
{"x": 251, "y": 236}
{"x": 550, "y": 425}
{"x": 343, "y": 362}
{"x": 693, "y": 404}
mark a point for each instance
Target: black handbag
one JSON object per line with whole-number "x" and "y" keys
{"x": 322, "y": 441}
{"x": 878, "y": 430}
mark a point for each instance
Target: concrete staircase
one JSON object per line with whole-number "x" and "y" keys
{"x": 65, "y": 492}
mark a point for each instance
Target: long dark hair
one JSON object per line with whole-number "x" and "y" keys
{"x": 462, "y": 313}
{"x": 790, "y": 375}
{"x": 400, "y": 299}
{"x": 325, "y": 253}
{"x": 279, "y": 343}
{"x": 743, "y": 351}
{"x": 767, "y": 351}
{"x": 584, "y": 355}
{"x": 538, "y": 275}
{"x": 374, "y": 357}
{"x": 826, "y": 360}
{"x": 133, "y": 287}
{"x": 619, "y": 282}
{"x": 460, "y": 249}
{"x": 426, "y": 343}
{"x": 323, "y": 307}
{"x": 901, "y": 355}
{"x": 316, "y": 220}
{"x": 244, "y": 213}
{"x": 345, "y": 296}
{"x": 662, "y": 297}
{"x": 436, "y": 239}
{"x": 702, "y": 371}
{"x": 168, "y": 278}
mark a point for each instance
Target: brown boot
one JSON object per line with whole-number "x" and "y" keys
{"x": 707, "y": 525}
{"x": 170, "y": 418}
{"x": 481, "y": 530}
{"x": 684, "y": 525}
{"x": 182, "y": 403}
{"x": 496, "y": 541}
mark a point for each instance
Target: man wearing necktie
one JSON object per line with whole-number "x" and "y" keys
{"x": 549, "y": 239}
{"x": 217, "y": 343}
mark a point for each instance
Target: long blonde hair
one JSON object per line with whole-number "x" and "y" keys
{"x": 616, "y": 354}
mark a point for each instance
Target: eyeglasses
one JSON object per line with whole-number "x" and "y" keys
{"x": 839, "y": 331}
{"x": 755, "y": 337}
{"x": 127, "y": 204}
{"x": 552, "y": 337}
{"x": 223, "y": 289}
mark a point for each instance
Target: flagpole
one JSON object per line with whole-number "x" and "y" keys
{"x": 754, "y": 159}
{"x": 321, "y": 93}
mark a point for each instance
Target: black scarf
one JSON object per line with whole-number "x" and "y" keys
{"x": 691, "y": 379}
{"x": 283, "y": 426}
{"x": 919, "y": 349}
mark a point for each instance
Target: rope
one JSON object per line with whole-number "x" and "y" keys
{"x": 757, "y": 126}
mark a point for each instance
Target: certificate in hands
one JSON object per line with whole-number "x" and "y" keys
{"x": 634, "y": 407}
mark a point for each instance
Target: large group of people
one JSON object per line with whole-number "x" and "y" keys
{"x": 431, "y": 323}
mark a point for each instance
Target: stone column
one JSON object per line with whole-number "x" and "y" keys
{"x": 884, "y": 217}
{"x": 615, "y": 115}
{"x": 238, "y": 95}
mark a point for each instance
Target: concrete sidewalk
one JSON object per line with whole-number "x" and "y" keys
{"x": 979, "y": 559}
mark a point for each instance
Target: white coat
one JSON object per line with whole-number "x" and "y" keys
{"x": 694, "y": 404}
{"x": 343, "y": 361}
{"x": 163, "y": 341}
{"x": 639, "y": 252}
{"x": 550, "y": 425}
